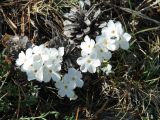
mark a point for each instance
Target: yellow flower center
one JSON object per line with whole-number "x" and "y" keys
{"x": 105, "y": 42}
{"x": 113, "y": 32}
{"x": 101, "y": 50}
{"x": 65, "y": 86}
{"x": 73, "y": 78}
{"x": 50, "y": 71}
{"x": 88, "y": 61}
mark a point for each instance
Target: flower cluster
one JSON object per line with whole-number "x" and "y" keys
{"x": 93, "y": 53}
{"x": 44, "y": 64}
{"x": 69, "y": 82}
{"x": 41, "y": 63}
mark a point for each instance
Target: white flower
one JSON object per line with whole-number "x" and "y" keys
{"x": 51, "y": 71}
{"x": 88, "y": 63}
{"x": 30, "y": 61}
{"x": 41, "y": 63}
{"x": 87, "y": 46}
{"x": 113, "y": 30}
{"x": 60, "y": 54}
{"x": 35, "y": 71}
{"x": 52, "y": 54}
{"x": 107, "y": 69}
{"x": 101, "y": 52}
{"x": 116, "y": 34}
{"x": 123, "y": 42}
{"x": 74, "y": 76}
{"x": 22, "y": 57}
{"x": 38, "y": 49}
{"x": 70, "y": 81}
{"x": 61, "y": 51}
{"x": 106, "y": 42}
{"x": 65, "y": 88}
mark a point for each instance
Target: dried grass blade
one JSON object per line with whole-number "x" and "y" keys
{"x": 9, "y": 21}
{"x": 137, "y": 13}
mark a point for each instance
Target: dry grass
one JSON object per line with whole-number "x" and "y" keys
{"x": 131, "y": 92}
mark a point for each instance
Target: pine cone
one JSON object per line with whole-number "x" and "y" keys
{"x": 81, "y": 20}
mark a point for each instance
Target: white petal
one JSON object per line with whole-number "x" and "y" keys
{"x": 54, "y": 67}
{"x": 19, "y": 62}
{"x": 22, "y": 55}
{"x": 92, "y": 69}
{"x": 111, "y": 24}
{"x": 92, "y": 43}
{"x": 61, "y": 51}
{"x": 84, "y": 53}
{"x": 30, "y": 76}
{"x": 29, "y": 52}
{"x": 127, "y": 36}
{"x": 108, "y": 55}
{"x": 96, "y": 62}
{"x": 81, "y": 60}
{"x": 46, "y": 75}
{"x": 56, "y": 76}
{"x": 71, "y": 70}
{"x": 119, "y": 28}
{"x": 37, "y": 65}
{"x": 27, "y": 65}
{"x": 74, "y": 97}
{"x": 78, "y": 73}
{"x": 21, "y": 59}
{"x": 36, "y": 58}
{"x": 79, "y": 83}
{"x": 72, "y": 85}
{"x": 87, "y": 38}
{"x": 83, "y": 68}
{"x": 111, "y": 41}
{"x": 36, "y": 49}
{"x": 70, "y": 93}
{"x": 99, "y": 38}
{"x": 39, "y": 75}
{"x": 113, "y": 47}
{"x": 59, "y": 84}
{"x": 124, "y": 44}
{"x": 109, "y": 67}
{"x": 104, "y": 31}
{"x": 83, "y": 45}
{"x": 61, "y": 93}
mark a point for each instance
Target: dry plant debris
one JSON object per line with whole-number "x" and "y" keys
{"x": 130, "y": 92}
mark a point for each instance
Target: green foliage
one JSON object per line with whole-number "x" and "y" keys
{"x": 4, "y": 105}
{"x": 69, "y": 117}
{"x": 42, "y": 116}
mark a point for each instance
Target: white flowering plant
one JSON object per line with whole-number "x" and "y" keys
{"x": 44, "y": 64}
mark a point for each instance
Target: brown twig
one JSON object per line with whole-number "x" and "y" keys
{"x": 29, "y": 22}
{"x": 9, "y": 21}
{"x": 77, "y": 113}
{"x": 22, "y": 24}
{"x": 101, "y": 109}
